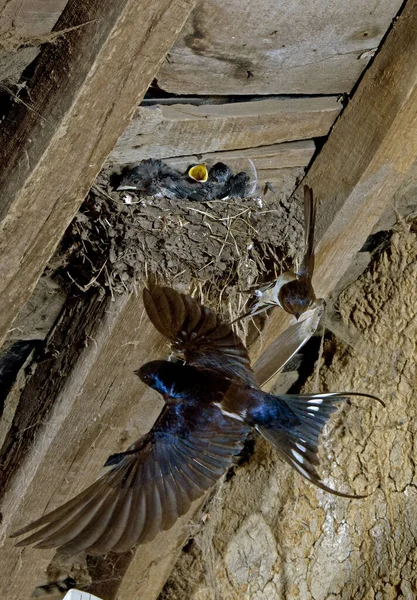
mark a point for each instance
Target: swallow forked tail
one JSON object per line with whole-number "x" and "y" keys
{"x": 293, "y": 424}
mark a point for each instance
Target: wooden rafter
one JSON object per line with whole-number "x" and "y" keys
{"x": 80, "y": 99}
{"x": 363, "y": 163}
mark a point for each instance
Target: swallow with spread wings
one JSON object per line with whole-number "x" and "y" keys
{"x": 212, "y": 401}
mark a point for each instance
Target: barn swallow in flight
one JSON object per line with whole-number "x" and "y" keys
{"x": 294, "y": 292}
{"x": 212, "y": 401}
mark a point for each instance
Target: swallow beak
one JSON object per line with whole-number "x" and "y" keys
{"x": 297, "y": 315}
{"x": 198, "y": 173}
{"x": 125, "y": 188}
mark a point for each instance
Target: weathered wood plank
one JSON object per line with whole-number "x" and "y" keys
{"x": 101, "y": 408}
{"x": 272, "y": 163}
{"x": 74, "y": 328}
{"x": 265, "y": 158}
{"x": 81, "y": 97}
{"x": 364, "y": 161}
{"x": 23, "y": 26}
{"x": 159, "y": 558}
{"x": 152, "y": 563}
{"x": 291, "y": 47}
{"x": 177, "y": 130}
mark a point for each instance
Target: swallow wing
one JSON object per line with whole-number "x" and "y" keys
{"x": 310, "y": 209}
{"x": 281, "y": 350}
{"x": 146, "y": 488}
{"x": 198, "y": 334}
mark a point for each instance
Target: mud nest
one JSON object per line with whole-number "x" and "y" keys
{"x": 221, "y": 248}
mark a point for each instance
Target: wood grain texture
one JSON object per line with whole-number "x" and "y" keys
{"x": 155, "y": 561}
{"x": 272, "y": 163}
{"x": 81, "y": 97}
{"x": 23, "y": 25}
{"x": 269, "y": 47}
{"x": 27, "y": 18}
{"x": 370, "y": 150}
{"x": 181, "y": 130}
{"x": 73, "y": 330}
{"x": 265, "y": 158}
{"x": 101, "y": 409}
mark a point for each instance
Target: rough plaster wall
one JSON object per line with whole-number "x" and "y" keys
{"x": 269, "y": 535}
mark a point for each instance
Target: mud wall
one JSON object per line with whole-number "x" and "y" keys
{"x": 267, "y": 534}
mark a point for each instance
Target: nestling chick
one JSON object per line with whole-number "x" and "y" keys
{"x": 152, "y": 177}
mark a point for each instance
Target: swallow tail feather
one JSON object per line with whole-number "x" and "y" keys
{"x": 293, "y": 424}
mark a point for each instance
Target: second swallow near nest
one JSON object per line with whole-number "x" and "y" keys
{"x": 212, "y": 401}
{"x": 291, "y": 291}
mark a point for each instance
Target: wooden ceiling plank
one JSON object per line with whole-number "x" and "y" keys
{"x": 264, "y": 158}
{"x": 269, "y": 47}
{"x": 80, "y": 99}
{"x": 367, "y": 156}
{"x": 163, "y": 131}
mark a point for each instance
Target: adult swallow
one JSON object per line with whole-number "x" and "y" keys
{"x": 294, "y": 292}
{"x": 212, "y": 401}
{"x": 287, "y": 345}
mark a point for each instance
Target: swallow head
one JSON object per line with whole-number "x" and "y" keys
{"x": 133, "y": 179}
{"x": 144, "y": 176}
{"x": 168, "y": 378}
{"x": 154, "y": 374}
{"x": 296, "y": 297}
{"x": 220, "y": 173}
{"x": 238, "y": 185}
{"x": 198, "y": 173}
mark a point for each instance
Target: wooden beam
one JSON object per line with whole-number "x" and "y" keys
{"x": 80, "y": 99}
{"x": 152, "y": 563}
{"x": 370, "y": 150}
{"x": 101, "y": 408}
{"x": 164, "y": 131}
{"x": 265, "y": 158}
{"x": 24, "y": 26}
{"x": 267, "y": 48}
